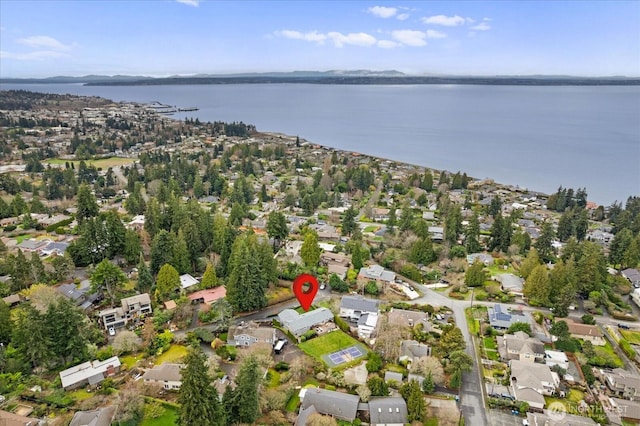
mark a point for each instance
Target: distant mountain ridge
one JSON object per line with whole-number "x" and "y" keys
{"x": 356, "y": 77}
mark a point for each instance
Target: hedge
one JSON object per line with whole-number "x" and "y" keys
{"x": 61, "y": 224}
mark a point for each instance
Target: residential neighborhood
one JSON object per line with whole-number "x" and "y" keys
{"x": 147, "y": 259}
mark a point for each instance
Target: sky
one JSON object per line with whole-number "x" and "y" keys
{"x": 159, "y": 38}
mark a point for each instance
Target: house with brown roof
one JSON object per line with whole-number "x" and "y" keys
{"x": 11, "y": 419}
{"x": 586, "y": 332}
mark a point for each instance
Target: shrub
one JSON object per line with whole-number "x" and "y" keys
{"x": 588, "y": 319}
{"x": 281, "y": 366}
{"x": 9, "y": 228}
{"x": 227, "y": 352}
{"x": 627, "y": 348}
{"x": 309, "y": 335}
{"x": 371, "y": 288}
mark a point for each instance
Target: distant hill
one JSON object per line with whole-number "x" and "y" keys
{"x": 353, "y": 77}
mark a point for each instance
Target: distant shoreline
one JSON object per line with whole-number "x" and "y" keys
{"x": 331, "y": 80}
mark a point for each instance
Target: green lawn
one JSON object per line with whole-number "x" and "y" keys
{"x": 371, "y": 228}
{"x": 168, "y": 418}
{"x": 273, "y": 378}
{"x": 327, "y": 343}
{"x": 80, "y": 395}
{"x": 103, "y": 163}
{"x": 131, "y": 360}
{"x": 175, "y": 353}
{"x": 631, "y": 336}
{"x": 490, "y": 343}
{"x": 607, "y": 351}
{"x": 499, "y": 269}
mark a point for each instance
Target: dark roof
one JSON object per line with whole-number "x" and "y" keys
{"x": 387, "y": 410}
{"x": 304, "y": 415}
{"x": 99, "y": 417}
{"x": 72, "y": 292}
{"x": 337, "y": 404}
{"x": 359, "y": 303}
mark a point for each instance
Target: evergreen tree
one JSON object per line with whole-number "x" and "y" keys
{"x": 30, "y": 336}
{"x": 428, "y": 386}
{"x": 161, "y": 250}
{"x": 248, "y": 281}
{"x": 107, "y": 277}
{"x": 277, "y": 228}
{"x": 310, "y": 250}
{"x": 38, "y": 273}
{"x": 115, "y": 234}
{"x": 145, "y": 279}
{"x": 199, "y": 404}
{"x": 421, "y": 252}
{"x": 86, "y": 206}
{"x": 6, "y": 324}
{"x": 152, "y": 217}
{"x": 416, "y": 406}
{"x": 543, "y": 244}
{"x": 167, "y": 282}
{"x": 132, "y": 246}
{"x": 537, "y": 287}
{"x": 406, "y": 219}
{"x": 532, "y": 260}
{"x": 349, "y": 221}
{"x": 391, "y": 221}
{"x": 377, "y": 386}
{"x": 191, "y": 236}
{"x": 245, "y": 396}
{"x": 475, "y": 275}
{"x": 64, "y": 320}
{"x": 209, "y": 279}
{"x": 453, "y": 225}
{"x": 472, "y": 235}
{"x": 619, "y": 245}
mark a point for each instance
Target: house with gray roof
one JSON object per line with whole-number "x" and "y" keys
{"x": 32, "y": 245}
{"x": 521, "y": 347}
{"x": 633, "y": 275}
{"x": 304, "y": 415}
{"x": 168, "y": 375}
{"x": 97, "y": 417}
{"x": 89, "y": 373}
{"x": 393, "y": 376}
{"x": 622, "y": 383}
{"x": 411, "y": 350}
{"x": 406, "y": 318}
{"x": 250, "y": 333}
{"x": 501, "y": 319}
{"x": 353, "y": 307}
{"x": 511, "y": 283}
{"x": 530, "y": 382}
{"x": 391, "y": 411}
{"x": 376, "y": 273}
{"x": 79, "y": 296}
{"x": 298, "y": 324}
{"x": 484, "y": 258}
{"x": 437, "y": 233}
{"x": 340, "y": 405}
{"x": 58, "y": 248}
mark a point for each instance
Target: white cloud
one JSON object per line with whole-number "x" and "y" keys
{"x": 43, "y": 42}
{"x": 356, "y": 39}
{"x": 482, "y": 26}
{"x": 402, "y": 16}
{"x": 410, "y": 37}
{"x": 194, "y": 3}
{"x": 388, "y": 44}
{"x": 312, "y": 36}
{"x": 447, "y": 21}
{"x": 382, "y": 12}
{"x": 435, "y": 34}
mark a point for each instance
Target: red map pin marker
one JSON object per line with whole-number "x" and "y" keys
{"x": 305, "y": 296}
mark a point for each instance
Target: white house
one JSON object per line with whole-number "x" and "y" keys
{"x": 187, "y": 281}
{"x": 89, "y": 373}
{"x": 353, "y": 307}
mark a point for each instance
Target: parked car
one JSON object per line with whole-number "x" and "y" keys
{"x": 112, "y": 331}
{"x": 323, "y": 286}
{"x": 623, "y": 326}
